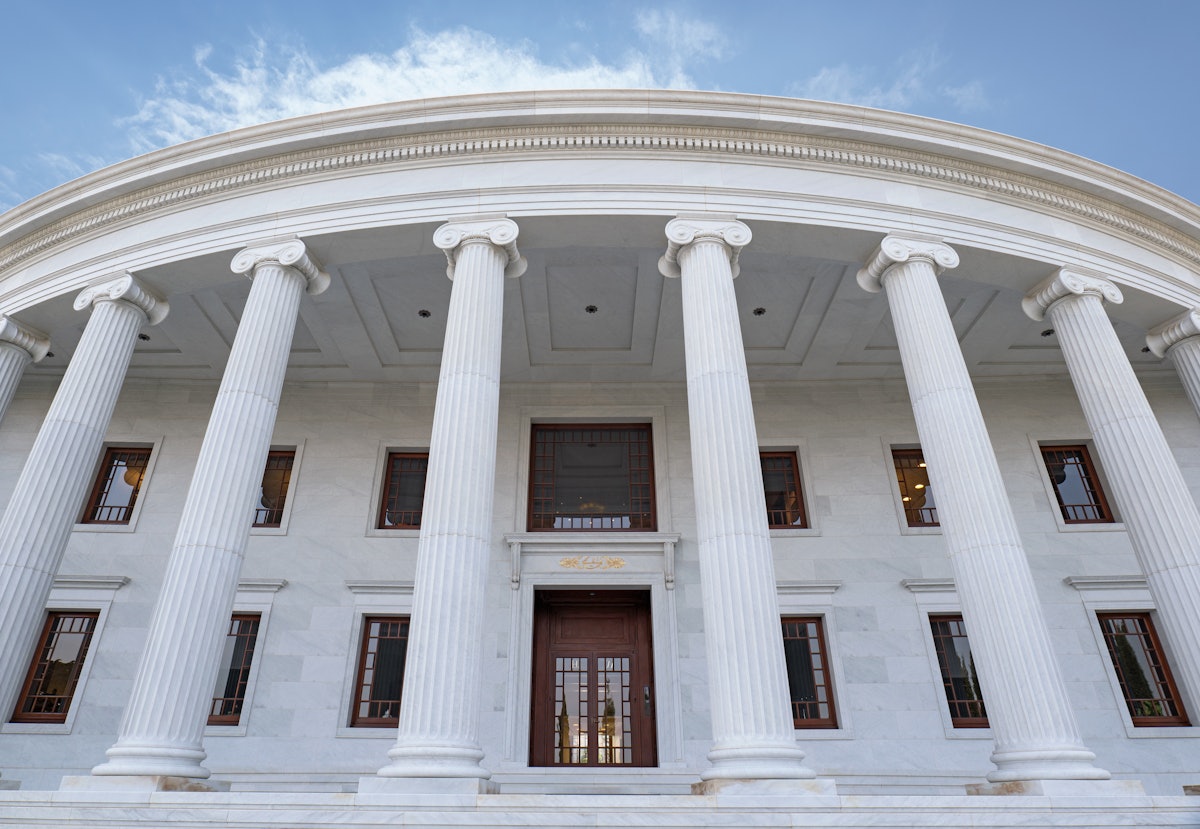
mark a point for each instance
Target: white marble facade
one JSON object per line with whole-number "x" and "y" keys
{"x": 766, "y": 340}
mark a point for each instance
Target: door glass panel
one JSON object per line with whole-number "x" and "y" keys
{"x": 613, "y": 734}
{"x": 571, "y": 702}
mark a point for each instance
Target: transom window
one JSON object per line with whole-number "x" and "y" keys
{"x": 380, "y": 677}
{"x": 236, "y": 658}
{"x": 963, "y": 694}
{"x": 118, "y": 483}
{"x": 272, "y": 496}
{"x": 781, "y": 484}
{"x": 50, "y": 684}
{"x": 809, "y": 682}
{"x": 912, "y": 477}
{"x": 1076, "y": 485}
{"x": 1142, "y": 670}
{"x": 403, "y": 491}
{"x": 593, "y": 477}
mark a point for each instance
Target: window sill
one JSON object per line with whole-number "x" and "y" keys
{"x": 376, "y": 532}
{"x": 368, "y": 732}
{"x": 794, "y": 532}
{"x": 105, "y": 528}
{"x": 238, "y": 730}
{"x": 808, "y": 734}
{"x": 1098, "y": 527}
{"x": 905, "y": 529}
{"x": 36, "y": 728}
{"x": 268, "y": 531}
{"x": 1162, "y": 732}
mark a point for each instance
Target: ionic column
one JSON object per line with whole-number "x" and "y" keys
{"x": 1179, "y": 339}
{"x": 1033, "y": 726}
{"x": 50, "y": 492}
{"x": 163, "y": 728}
{"x": 754, "y": 738}
{"x": 437, "y": 737}
{"x": 20, "y": 345}
{"x": 1147, "y": 486}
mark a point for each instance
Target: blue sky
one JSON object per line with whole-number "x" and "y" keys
{"x": 85, "y": 84}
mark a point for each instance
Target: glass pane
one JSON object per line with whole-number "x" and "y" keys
{"x": 595, "y": 478}
{"x": 571, "y": 704}
{"x": 916, "y": 494}
{"x": 117, "y": 487}
{"x": 614, "y": 733}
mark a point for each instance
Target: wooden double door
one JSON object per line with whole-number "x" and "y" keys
{"x": 593, "y": 683}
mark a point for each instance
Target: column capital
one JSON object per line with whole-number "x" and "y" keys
{"x": 494, "y": 230}
{"x": 23, "y": 337}
{"x": 895, "y": 249}
{"x": 126, "y": 288}
{"x": 290, "y": 253}
{"x": 686, "y": 230}
{"x": 1161, "y": 338}
{"x": 1064, "y": 283}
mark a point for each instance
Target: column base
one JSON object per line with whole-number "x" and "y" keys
{"x": 766, "y": 788}
{"x": 1067, "y": 764}
{"x": 139, "y": 783}
{"x": 435, "y": 762}
{"x": 1061, "y": 788}
{"x": 427, "y": 785}
{"x": 757, "y": 762}
{"x": 131, "y": 760}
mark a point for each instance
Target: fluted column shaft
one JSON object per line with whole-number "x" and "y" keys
{"x": 48, "y": 496}
{"x": 163, "y": 727}
{"x": 437, "y": 736}
{"x": 1179, "y": 340}
{"x": 1036, "y": 737}
{"x": 19, "y": 346}
{"x": 754, "y": 737}
{"x": 1149, "y": 490}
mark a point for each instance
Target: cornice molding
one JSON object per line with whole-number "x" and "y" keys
{"x": 1162, "y": 338}
{"x": 1065, "y": 283}
{"x": 290, "y": 253}
{"x": 687, "y": 230}
{"x": 18, "y": 334}
{"x": 126, "y": 288}
{"x": 775, "y": 147}
{"x": 896, "y": 248}
{"x": 493, "y": 230}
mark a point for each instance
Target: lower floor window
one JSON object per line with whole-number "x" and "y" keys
{"x": 380, "y": 676}
{"x": 963, "y": 694}
{"x": 1142, "y": 670}
{"x": 809, "y": 682}
{"x": 230, "y": 693}
{"x": 50, "y": 684}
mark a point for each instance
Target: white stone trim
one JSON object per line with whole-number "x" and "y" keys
{"x": 1036, "y": 442}
{"x": 371, "y": 598}
{"x": 113, "y": 442}
{"x": 815, "y": 598}
{"x": 253, "y": 596}
{"x": 91, "y": 593}
{"x": 289, "y": 500}
{"x": 381, "y": 456}
{"x": 907, "y": 441}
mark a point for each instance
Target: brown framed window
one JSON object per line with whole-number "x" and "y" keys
{"x": 272, "y": 494}
{"x": 57, "y": 662}
{"x": 230, "y": 692}
{"x": 809, "y": 680}
{"x": 963, "y": 694}
{"x": 912, "y": 477}
{"x": 781, "y": 483}
{"x": 1142, "y": 669}
{"x": 592, "y": 477}
{"x": 380, "y": 677}
{"x": 117, "y": 485}
{"x": 1076, "y": 485}
{"x": 403, "y": 491}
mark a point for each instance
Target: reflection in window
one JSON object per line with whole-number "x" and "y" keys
{"x": 1142, "y": 671}
{"x": 230, "y": 692}
{"x": 1076, "y": 485}
{"x": 380, "y": 672}
{"x": 591, "y": 478}
{"x": 963, "y": 694}
{"x": 809, "y": 682}
{"x": 915, "y": 493}
{"x": 403, "y": 491}
{"x": 272, "y": 495}
{"x": 117, "y": 486}
{"x": 50, "y": 684}
{"x": 781, "y": 484}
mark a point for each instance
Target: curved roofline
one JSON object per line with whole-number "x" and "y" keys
{"x": 565, "y": 107}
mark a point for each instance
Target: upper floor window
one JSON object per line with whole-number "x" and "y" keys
{"x": 963, "y": 694}
{"x": 57, "y": 662}
{"x": 1076, "y": 485}
{"x": 809, "y": 681}
{"x": 403, "y": 495}
{"x": 380, "y": 677}
{"x": 916, "y": 495}
{"x": 272, "y": 495}
{"x": 118, "y": 483}
{"x": 1142, "y": 669}
{"x": 781, "y": 484}
{"x": 236, "y": 658}
{"x": 592, "y": 477}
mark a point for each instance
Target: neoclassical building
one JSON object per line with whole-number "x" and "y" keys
{"x": 601, "y": 458}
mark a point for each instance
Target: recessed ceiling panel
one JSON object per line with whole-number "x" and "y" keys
{"x": 591, "y": 306}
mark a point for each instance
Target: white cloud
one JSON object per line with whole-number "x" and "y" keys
{"x": 273, "y": 81}
{"x": 910, "y": 83}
